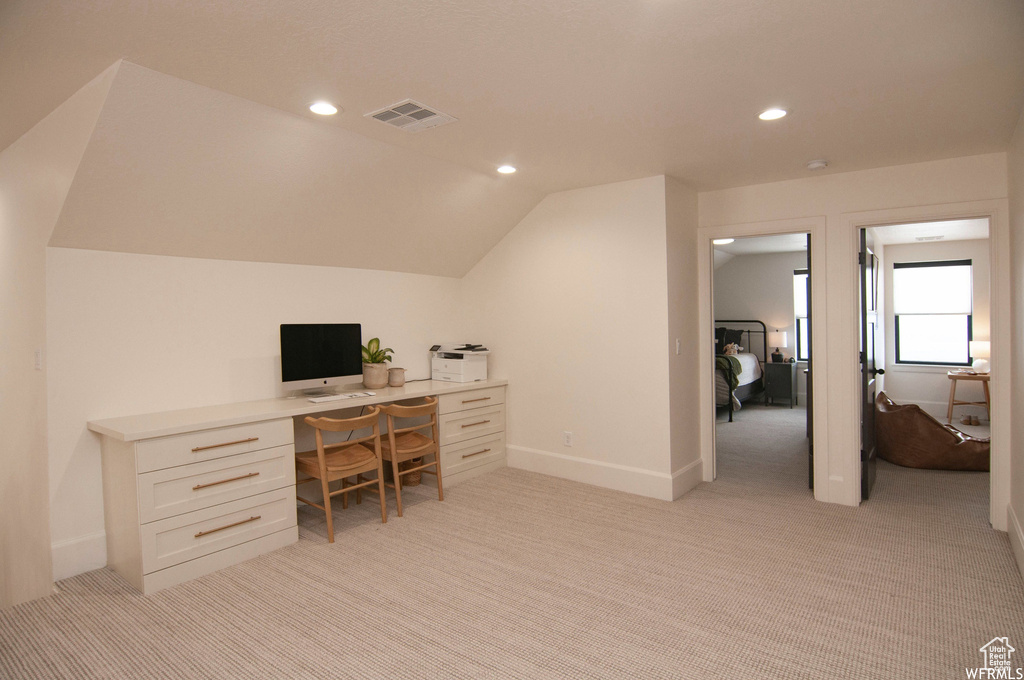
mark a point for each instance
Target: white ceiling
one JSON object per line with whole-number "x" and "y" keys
{"x": 759, "y": 245}
{"x": 175, "y": 168}
{"x": 948, "y": 230}
{"x": 574, "y": 93}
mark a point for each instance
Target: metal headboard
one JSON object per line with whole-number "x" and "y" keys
{"x": 763, "y": 332}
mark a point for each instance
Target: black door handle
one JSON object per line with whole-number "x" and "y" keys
{"x": 878, "y": 371}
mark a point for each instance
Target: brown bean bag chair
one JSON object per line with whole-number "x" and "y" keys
{"x": 908, "y": 436}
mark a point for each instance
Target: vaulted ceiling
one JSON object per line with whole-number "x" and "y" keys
{"x": 573, "y": 93}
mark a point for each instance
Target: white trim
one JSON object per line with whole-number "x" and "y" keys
{"x": 825, "y": 489}
{"x": 687, "y": 477}
{"x": 78, "y": 555}
{"x": 1000, "y": 314}
{"x": 1016, "y": 537}
{"x": 599, "y": 473}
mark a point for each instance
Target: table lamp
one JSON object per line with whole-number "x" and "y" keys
{"x": 981, "y": 350}
{"x": 777, "y": 338}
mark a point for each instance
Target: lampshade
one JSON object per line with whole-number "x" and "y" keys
{"x": 777, "y": 338}
{"x": 980, "y": 349}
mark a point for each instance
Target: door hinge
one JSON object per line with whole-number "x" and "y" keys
{"x": 860, "y": 257}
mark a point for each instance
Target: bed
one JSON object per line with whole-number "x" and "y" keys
{"x": 739, "y": 377}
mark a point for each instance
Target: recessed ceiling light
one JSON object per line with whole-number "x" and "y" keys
{"x": 772, "y": 114}
{"x": 323, "y": 108}
{"x": 506, "y": 169}
{"x": 723, "y": 241}
{"x": 819, "y": 164}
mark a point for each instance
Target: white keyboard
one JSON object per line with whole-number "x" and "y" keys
{"x": 339, "y": 397}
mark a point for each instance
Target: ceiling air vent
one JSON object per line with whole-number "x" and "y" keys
{"x": 411, "y": 116}
{"x": 930, "y": 238}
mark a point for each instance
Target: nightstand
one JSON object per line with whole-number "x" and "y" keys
{"x": 779, "y": 383}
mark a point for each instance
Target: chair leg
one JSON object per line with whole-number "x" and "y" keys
{"x": 398, "y": 483}
{"x": 437, "y": 468}
{"x": 327, "y": 509}
{"x": 383, "y": 500}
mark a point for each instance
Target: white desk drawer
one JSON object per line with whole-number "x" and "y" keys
{"x": 194, "y": 447}
{"x": 462, "y": 425}
{"x": 472, "y": 453}
{"x": 174, "y": 540}
{"x": 173, "y": 491}
{"x": 460, "y": 401}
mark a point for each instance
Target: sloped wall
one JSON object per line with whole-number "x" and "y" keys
{"x": 35, "y": 173}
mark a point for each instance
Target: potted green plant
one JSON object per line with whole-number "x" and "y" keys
{"x": 375, "y": 371}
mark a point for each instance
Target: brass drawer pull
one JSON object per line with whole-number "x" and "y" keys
{"x": 217, "y": 446}
{"x": 470, "y": 401}
{"x": 470, "y": 455}
{"x": 228, "y": 526}
{"x": 197, "y": 487}
{"x": 482, "y": 422}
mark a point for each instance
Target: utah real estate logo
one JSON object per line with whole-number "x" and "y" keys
{"x": 997, "y": 653}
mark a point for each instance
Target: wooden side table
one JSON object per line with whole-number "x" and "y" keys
{"x": 955, "y": 376}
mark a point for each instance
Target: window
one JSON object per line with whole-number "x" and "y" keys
{"x": 932, "y": 305}
{"x": 803, "y": 344}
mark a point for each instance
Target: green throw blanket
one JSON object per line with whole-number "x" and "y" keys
{"x": 725, "y": 362}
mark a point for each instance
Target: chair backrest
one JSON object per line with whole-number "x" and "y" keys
{"x": 428, "y": 407}
{"x": 371, "y": 420}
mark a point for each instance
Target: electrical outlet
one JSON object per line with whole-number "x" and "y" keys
{"x": 677, "y": 346}
{"x": 39, "y": 360}
{"x": 567, "y": 438}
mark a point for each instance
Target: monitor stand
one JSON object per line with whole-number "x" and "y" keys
{"x": 318, "y": 392}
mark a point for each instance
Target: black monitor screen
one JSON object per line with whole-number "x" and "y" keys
{"x": 320, "y": 350}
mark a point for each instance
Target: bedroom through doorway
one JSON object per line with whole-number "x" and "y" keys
{"x": 926, "y": 322}
{"x": 761, "y": 309}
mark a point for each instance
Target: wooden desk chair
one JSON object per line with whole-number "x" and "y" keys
{"x": 343, "y": 460}
{"x": 406, "y": 443}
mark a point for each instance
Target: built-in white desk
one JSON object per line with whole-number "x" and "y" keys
{"x": 191, "y": 491}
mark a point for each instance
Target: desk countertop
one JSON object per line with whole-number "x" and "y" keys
{"x": 165, "y": 423}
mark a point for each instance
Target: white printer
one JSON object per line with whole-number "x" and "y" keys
{"x": 458, "y": 363}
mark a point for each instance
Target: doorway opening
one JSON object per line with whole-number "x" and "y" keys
{"x": 925, "y": 327}
{"x": 762, "y": 320}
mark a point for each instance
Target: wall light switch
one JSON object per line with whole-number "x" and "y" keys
{"x": 39, "y": 359}
{"x": 677, "y": 346}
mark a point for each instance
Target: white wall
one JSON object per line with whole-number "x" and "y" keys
{"x": 35, "y": 174}
{"x": 847, "y": 201}
{"x": 573, "y": 302}
{"x": 683, "y": 309}
{"x": 141, "y": 333}
{"x": 928, "y": 386}
{"x": 761, "y": 287}
{"x": 1015, "y": 172}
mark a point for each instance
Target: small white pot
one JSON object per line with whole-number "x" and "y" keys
{"x": 396, "y": 377}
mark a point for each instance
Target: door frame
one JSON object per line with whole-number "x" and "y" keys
{"x": 816, "y": 227}
{"x": 997, "y": 212}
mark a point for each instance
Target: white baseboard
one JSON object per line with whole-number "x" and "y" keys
{"x": 1016, "y": 538}
{"x": 607, "y": 475}
{"x": 79, "y": 555}
{"x": 687, "y": 477}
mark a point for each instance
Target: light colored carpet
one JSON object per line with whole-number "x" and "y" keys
{"x": 517, "y": 575}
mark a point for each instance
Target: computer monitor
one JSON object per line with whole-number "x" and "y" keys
{"x": 318, "y": 356}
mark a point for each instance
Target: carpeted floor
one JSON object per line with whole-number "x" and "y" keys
{"x": 517, "y": 575}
